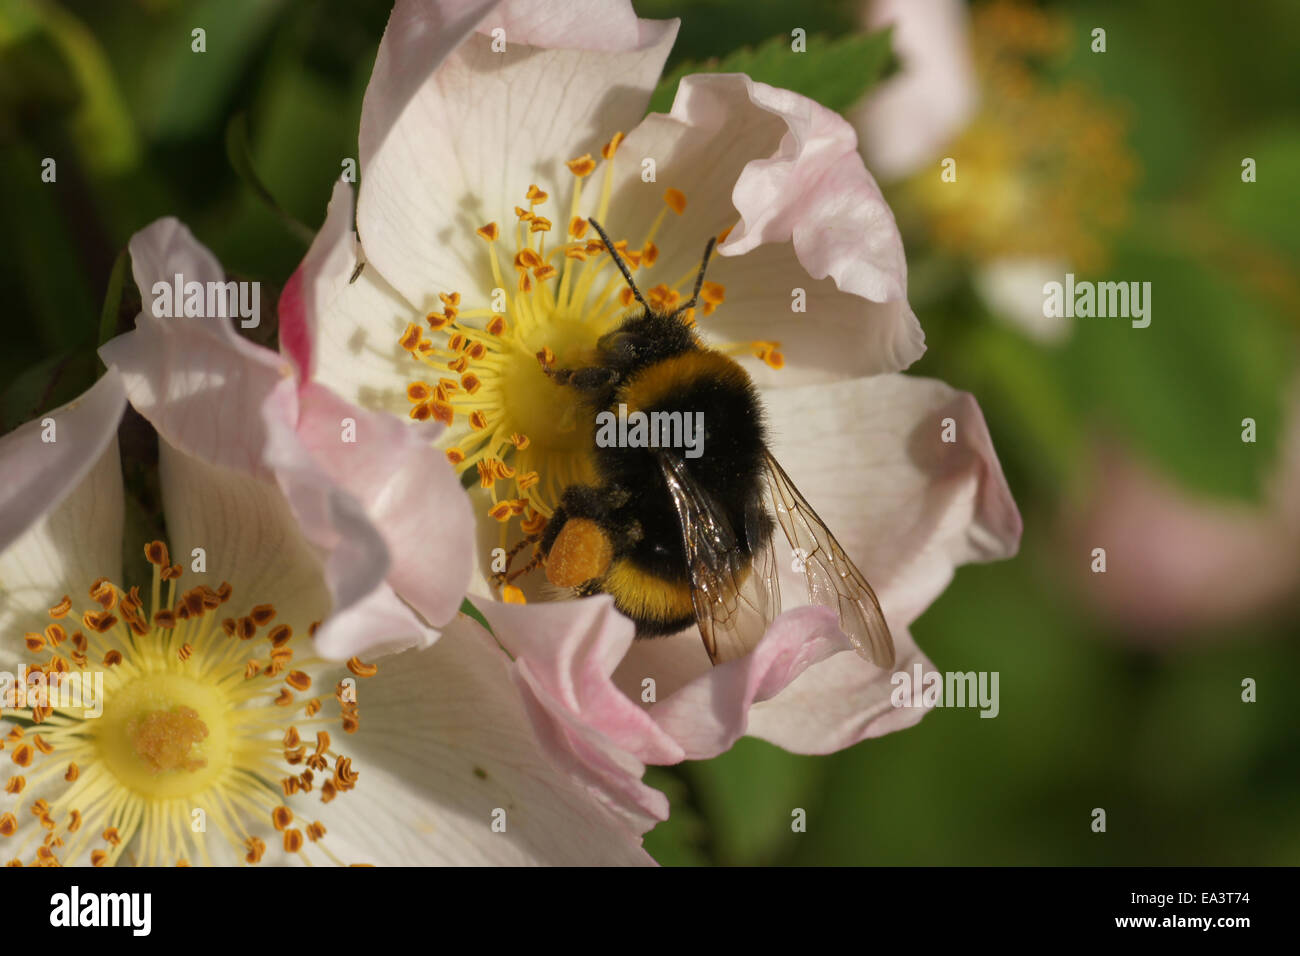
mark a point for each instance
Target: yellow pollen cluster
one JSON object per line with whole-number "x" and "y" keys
{"x": 135, "y": 725}
{"x": 163, "y": 739}
{"x": 1043, "y": 170}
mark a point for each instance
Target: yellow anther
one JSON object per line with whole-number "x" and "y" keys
{"x": 410, "y": 338}
{"x": 156, "y": 554}
{"x": 419, "y": 392}
{"x": 582, "y": 166}
{"x": 362, "y": 669}
{"x": 98, "y": 621}
{"x": 104, "y": 594}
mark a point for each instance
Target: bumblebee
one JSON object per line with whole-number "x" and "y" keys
{"x": 679, "y": 539}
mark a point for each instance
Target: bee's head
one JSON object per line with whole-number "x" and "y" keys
{"x": 623, "y": 346}
{"x": 644, "y": 339}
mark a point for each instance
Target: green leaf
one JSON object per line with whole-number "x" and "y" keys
{"x": 193, "y": 90}
{"x": 241, "y": 161}
{"x": 835, "y": 72}
{"x": 112, "y": 307}
{"x": 102, "y": 125}
{"x": 716, "y": 27}
{"x": 475, "y": 613}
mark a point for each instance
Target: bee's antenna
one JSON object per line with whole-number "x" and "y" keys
{"x": 699, "y": 279}
{"x": 622, "y": 266}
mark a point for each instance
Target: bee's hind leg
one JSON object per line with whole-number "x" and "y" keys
{"x": 505, "y": 576}
{"x": 585, "y": 535}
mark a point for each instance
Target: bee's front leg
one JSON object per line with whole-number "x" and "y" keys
{"x": 593, "y": 378}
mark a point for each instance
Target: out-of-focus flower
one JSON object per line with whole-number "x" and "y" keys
{"x": 1178, "y": 562}
{"x": 1042, "y": 172}
{"x": 488, "y": 136}
{"x": 909, "y": 118}
{"x": 195, "y": 718}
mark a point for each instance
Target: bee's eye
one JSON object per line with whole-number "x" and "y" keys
{"x": 622, "y": 345}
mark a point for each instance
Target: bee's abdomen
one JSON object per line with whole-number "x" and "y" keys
{"x": 651, "y": 582}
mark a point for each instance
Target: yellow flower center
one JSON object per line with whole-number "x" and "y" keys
{"x": 526, "y": 437}
{"x": 166, "y": 735}
{"x": 166, "y": 729}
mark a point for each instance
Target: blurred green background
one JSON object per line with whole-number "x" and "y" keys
{"x": 244, "y": 141}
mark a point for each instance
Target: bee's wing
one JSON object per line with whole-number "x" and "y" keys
{"x": 735, "y": 599}
{"x": 833, "y": 580}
